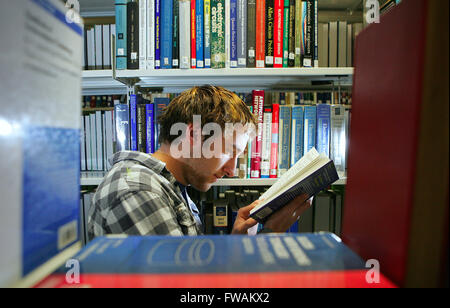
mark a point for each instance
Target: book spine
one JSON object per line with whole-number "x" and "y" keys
{"x": 316, "y": 33}
{"x": 310, "y": 128}
{"x": 278, "y": 33}
{"x": 285, "y": 140}
{"x": 133, "y": 122}
{"x": 199, "y": 24}
{"x": 106, "y": 47}
{"x": 83, "y": 145}
{"x": 251, "y": 33}
{"x": 249, "y": 152}
{"x": 260, "y": 33}
{"x": 297, "y": 134}
{"x": 158, "y": 34}
{"x": 93, "y": 142}
{"x": 176, "y": 35}
{"x": 333, "y": 44}
{"x": 133, "y": 35}
{"x": 274, "y": 145}
{"x": 217, "y": 33}
{"x": 323, "y": 44}
{"x": 227, "y": 34}
{"x": 91, "y": 49}
{"x": 207, "y": 31}
{"x": 109, "y": 132}
{"x": 323, "y": 129}
{"x": 342, "y": 44}
{"x": 185, "y": 34}
{"x": 98, "y": 47}
{"x": 150, "y": 128}
{"x": 258, "y": 105}
{"x": 99, "y": 137}
{"x": 242, "y": 33}
{"x": 293, "y": 26}
{"x": 267, "y": 143}
{"x": 160, "y": 105}
{"x": 286, "y": 19}
{"x": 143, "y": 34}
{"x": 270, "y": 27}
{"x": 87, "y": 123}
{"x": 166, "y": 34}
{"x": 233, "y": 34}
{"x": 193, "y": 36}
{"x": 150, "y": 34}
{"x": 309, "y": 39}
{"x": 141, "y": 128}
{"x": 220, "y": 225}
{"x": 121, "y": 36}
{"x": 122, "y": 120}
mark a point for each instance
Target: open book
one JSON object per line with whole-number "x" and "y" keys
{"x": 310, "y": 175}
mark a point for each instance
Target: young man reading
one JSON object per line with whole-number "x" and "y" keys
{"x": 146, "y": 194}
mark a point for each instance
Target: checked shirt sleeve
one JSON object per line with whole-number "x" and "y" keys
{"x": 143, "y": 213}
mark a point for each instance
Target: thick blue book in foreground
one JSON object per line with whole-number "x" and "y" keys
{"x": 281, "y": 260}
{"x": 310, "y": 175}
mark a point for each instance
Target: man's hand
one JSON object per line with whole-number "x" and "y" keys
{"x": 284, "y": 218}
{"x": 243, "y": 221}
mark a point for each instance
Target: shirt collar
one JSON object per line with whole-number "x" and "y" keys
{"x": 146, "y": 160}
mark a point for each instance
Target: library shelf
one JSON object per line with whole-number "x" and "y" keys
{"x": 240, "y": 78}
{"x": 101, "y": 82}
{"x": 95, "y": 178}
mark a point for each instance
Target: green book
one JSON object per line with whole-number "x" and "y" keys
{"x": 298, "y": 32}
{"x": 217, "y": 33}
{"x": 286, "y": 34}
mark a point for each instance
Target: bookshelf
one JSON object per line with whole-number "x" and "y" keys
{"x": 94, "y": 178}
{"x": 101, "y": 82}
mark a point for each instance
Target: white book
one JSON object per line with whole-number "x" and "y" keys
{"x": 227, "y": 34}
{"x": 266, "y": 145}
{"x": 310, "y": 175}
{"x": 143, "y": 34}
{"x": 349, "y": 45}
{"x": 342, "y": 44}
{"x": 93, "y": 142}
{"x": 185, "y": 34}
{"x": 87, "y": 124}
{"x": 150, "y": 34}
{"x": 98, "y": 47}
{"x": 109, "y": 137}
{"x": 91, "y": 49}
{"x": 104, "y": 140}
{"x": 333, "y": 44}
{"x": 83, "y": 145}
{"x": 106, "y": 47}
{"x": 99, "y": 136}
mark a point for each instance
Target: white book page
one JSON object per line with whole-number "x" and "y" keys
{"x": 306, "y": 160}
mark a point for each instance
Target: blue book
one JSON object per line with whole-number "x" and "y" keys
{"x": 133, "y": 122}
{"x": 297, "y": 134}
{"x": 160, "y": 104}
{"x": 158, "y": 34}
{"x": 121, "y": 34}
{"x": 199, "y": 25}
{"x": 122, "y": 120}
{"x": 207, "y": 31}
{"x": 284, "y": 141}
{"x": 323, "y": 129}
{"x": 310, "y": 128}
{"x": 216, "y": 254}
{"x": 166, "y": 34}
{"x": 233, "y": 34}
{"x": 150, "y": 128}
{"x": 293, "y": 228}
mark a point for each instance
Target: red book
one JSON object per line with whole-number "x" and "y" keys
{"x": 258, "y": 111}
{"x": 396, "y": 206}
{"x": 260, "y": 33}
{"x": 193, "y": 36}
{"x": 274, "y": 148}
{"x": 278, "y": 35}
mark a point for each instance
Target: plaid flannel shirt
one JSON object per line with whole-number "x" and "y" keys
{"x": 139, "y": 196}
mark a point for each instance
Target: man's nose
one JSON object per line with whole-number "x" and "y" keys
{"x": 230, "y": 168}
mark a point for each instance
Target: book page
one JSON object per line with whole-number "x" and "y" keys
{"x": 306, "y": 160}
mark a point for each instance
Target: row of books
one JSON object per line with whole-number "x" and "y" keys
{"x": 97, "y": 47}
{"x": 286, "y": 133}
{"x": 336, "y": 40}
{"x": 156, "y": 34}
